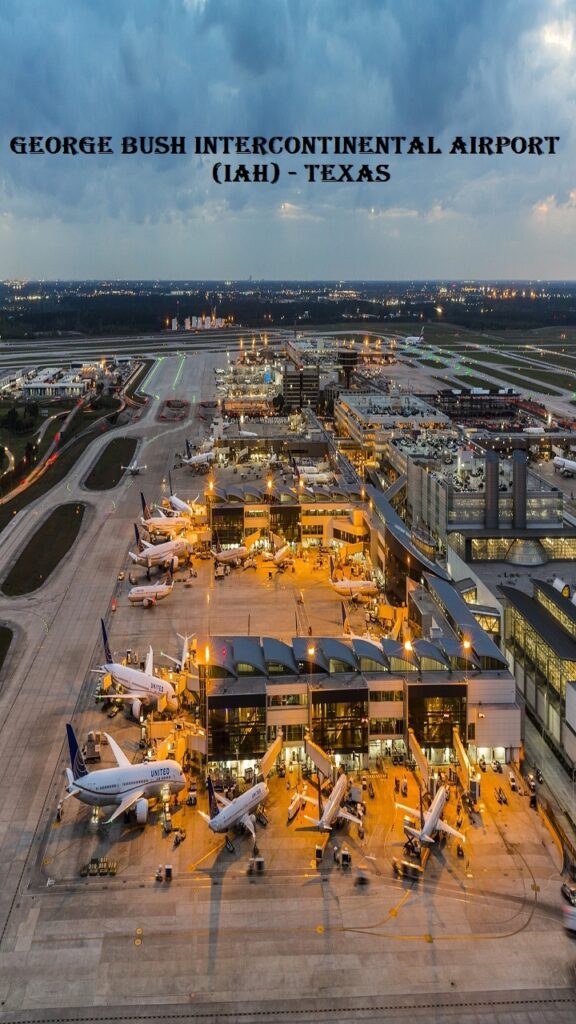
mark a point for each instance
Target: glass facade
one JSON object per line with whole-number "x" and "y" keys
{"x": 340, "y": 724}
{"x": 531, "y": 651}
{"x": 238, "y": 731}
{"x": 433, "y": 715}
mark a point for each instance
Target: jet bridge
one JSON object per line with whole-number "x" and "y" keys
{"x": 468, "y": 776}
{"x": 320, "y": 758}
{"x": 420, "y": 758}
{"x": 271, "y": 755}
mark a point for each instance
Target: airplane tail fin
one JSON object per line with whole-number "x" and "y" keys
{"x": 188, "y": 451}
{"x": 212, "y": 800}
{"x": 145, "y": 508}
{"x": 107, "y": 652}
{"x": 218, "y": 545}
{"x": 170, "y": 483}
{"x": 138, "y": 538}
{"x": 79, "y": 769}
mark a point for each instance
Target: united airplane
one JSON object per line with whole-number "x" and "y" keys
{"x": 170, "y": 553}
{"x": 128, "y": 786}
{"x": 142, "y": 688}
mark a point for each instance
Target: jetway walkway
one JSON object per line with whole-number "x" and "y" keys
{"x": 420, "y": 758}
{"x": 468, "y": 776}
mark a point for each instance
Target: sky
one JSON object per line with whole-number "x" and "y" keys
{"x": 190, "y": 68}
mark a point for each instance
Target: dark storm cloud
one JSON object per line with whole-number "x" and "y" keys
{"x": 193, "y": 67}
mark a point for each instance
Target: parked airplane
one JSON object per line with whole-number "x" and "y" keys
{"x": 414, "y": 339}
{"x": 179, "y": 505}
{"x": 161, "y": 523}
{"x": 134, "y": 469}
{"x": 333, "y": 808}
{"x": 431, "y": 821}
{"x": 236, "y": 554}
{"x": 282, "y": 552}
{"x": 172, "y": 552}
{"x": 225, "y": 814}
{"x": 129, "y": 786}
{"x": 153, "y": 592}
{"x": 201, "y": 459}
{"x": 352, "y": 588}
{"x": 142, "y": 688}
{"x": 567, "y": 467}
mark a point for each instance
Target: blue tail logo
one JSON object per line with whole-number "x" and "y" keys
{"x": 137, "y": 532}
{"x": 79, "y": 769}
{"x": 170, "y": 483}
{"x": 107, "y": 652}
{"x": 212, "y": 803}
{"x": 145, "y": 509}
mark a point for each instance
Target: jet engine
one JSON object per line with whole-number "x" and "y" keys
{"x": 136, "y": 709}
{"x": 141, "y": 811}
{"x": 148, "y": 602}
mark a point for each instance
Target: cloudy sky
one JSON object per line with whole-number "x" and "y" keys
{"x": 287, "y": 67}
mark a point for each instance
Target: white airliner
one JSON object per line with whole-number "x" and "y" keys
{"x": 431, "y": 822}
{"x": 127, "y": 786}
{"x": 567, "y": 467}
{"x": 201, "y": 459}
{"x": 161, "y": 523}
{"x": 151, "y": 593}
{"x": 179, "y": 505}
{"x": 236, "y": 554}
{"x": 352, "y": 588}
{"x": 142, "y": 688}
{"x": 171, "y": 553}
{"x": 333, "y": 808}
{"x": 134, "y": 469}
{"x": 533, "y": 430}
{"x": 282, "y": 552}
{"x": 414, "y": 339}
{"x": 225, "y": 814}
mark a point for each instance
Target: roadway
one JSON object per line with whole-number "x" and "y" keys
{"x": 56, "y": 627}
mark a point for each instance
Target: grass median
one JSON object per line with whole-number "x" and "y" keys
{"x": 108, "y": 470}
{"x": 45, "y": 550}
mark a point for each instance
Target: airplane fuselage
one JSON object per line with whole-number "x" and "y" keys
{"x": 334, "y": 803}
{"x": 108, "y": 786}
{"x": 140, "y": 594}
{"x": 230, "y": 815}
{"x": 165, "y": 524}
{"x": 145, "y": 687}
{"x": 160, "y": 554}
{"x": 349, "y": 588}
{"x": 230, "y": 556}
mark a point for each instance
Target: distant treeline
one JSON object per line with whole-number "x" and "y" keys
{"x": 144, "y": 313}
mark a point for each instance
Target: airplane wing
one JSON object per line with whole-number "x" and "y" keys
{"x": 126, "y": 804}
{"x": 443, "y": 827}
{"x": 149, "y": 666}
{"x": 349, "y": 817}
{"x": 121, "y": 759}
{"x": 411, "y": 810}
{"x": 246, "y": 820}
